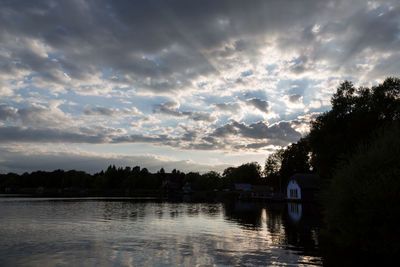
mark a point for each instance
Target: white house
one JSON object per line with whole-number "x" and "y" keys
{"x": 302, "y": 187}
{"x": 293, "y": 190}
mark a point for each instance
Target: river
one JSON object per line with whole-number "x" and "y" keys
{"x": 133, "y": 232}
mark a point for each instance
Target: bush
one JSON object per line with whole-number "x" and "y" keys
{"x": 362, "y": 201}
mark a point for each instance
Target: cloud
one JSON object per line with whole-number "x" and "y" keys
{"x": 37, "y": 116}
{"x": 228, "y": 107}
{"x": 295, "y": 98}
{"x": 222, "y": 138}
{"x": 259, "y": 104}
{"x": 111, "y": 112}
{"x": 7, "y": 112}
{"x": 170, "y": 109}
{"x": 50, "y": 135}
{"x": 279, "y": 134}
{"x": 55, "y": 42}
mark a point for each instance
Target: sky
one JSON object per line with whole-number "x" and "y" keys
{"x": 191, "y": 85}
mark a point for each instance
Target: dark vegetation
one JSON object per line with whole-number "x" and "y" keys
{"x": 354, "y": 148}
{"x": 126, "y": 181}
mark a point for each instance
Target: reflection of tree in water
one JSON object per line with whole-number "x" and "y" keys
{"x": 246, "y": 214}
{"x": 211, "y": 210}
{"x": 274, "y": 222}
{"x": 122, "y": 210}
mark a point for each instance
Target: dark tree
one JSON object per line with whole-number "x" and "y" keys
{"x": 246, "y": 173}
{"x": 295, "y": 159}
{"x": 355, "y": 114}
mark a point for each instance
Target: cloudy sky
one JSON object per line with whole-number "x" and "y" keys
{"x": 193, "y": 85}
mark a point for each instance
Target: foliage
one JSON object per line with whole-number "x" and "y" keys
{"x": 355, "y": 114}
{"x": 362, "y": 201}
{"x": 249, "y": 173}
{"x": 273, "y": 164}
{"x": 295, "y": 159}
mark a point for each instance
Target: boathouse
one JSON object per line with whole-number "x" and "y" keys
{"x": 302, "y": 187}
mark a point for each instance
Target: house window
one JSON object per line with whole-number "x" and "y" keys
{"x": 293, "y": 193}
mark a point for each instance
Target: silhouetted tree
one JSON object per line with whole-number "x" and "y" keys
{"x": 272, "y": 170}
{"x": 245, "y": 173}
{"x": 362, "y": 201}
{"x": 355, "y": 114}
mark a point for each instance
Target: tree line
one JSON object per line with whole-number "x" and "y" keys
{"x": 130, "y": 179}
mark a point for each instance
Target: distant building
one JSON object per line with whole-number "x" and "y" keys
{"x": 262, "y": 192}
{"x": 244, "y": 190}
{"x": 243, "y": 187}
{"x": 170, "y": 188}
{"x": 187, "y": 189}
{"x": 302, "y": 187}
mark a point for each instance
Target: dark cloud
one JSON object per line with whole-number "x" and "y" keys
{"x": 35, "y": 115}
{"x": 138, "y": 138}
{"x": 7, "y": 112}
{"x": 295, "y": 98}
{"x": 228, "y": 107}
{"x": 300, "y": 65}
{"x": 110, "y": 112}
{"x": 170, "y": 109}
{"x": 259, "y": 104}
{"x": 257, "y": 145}
{"x": 278, "y": 134}
{"x": 46, "y": 135}
{"x": 103, "y": 111}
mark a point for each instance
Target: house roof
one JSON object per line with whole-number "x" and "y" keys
{"x": 305, "y": 180}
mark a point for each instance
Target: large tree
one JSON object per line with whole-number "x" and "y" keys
{"x": 355, "y": 114}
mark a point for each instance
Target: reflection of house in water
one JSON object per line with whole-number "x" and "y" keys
{"x": 302, "y": 224}
{"x": 295, "y": 211}
{"x": 298, "y": 227}
{"x": 302, "y": 187}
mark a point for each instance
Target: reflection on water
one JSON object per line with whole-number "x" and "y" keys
{"x": 76, "y": 232}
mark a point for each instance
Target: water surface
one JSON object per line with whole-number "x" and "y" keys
{"x": 129, "y": 232}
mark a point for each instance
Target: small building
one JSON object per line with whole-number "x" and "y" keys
{"x": 243, "y": 190}
{"x": 171, "y": 188}
{"x": 302, "y": 187}
{"x": 262, "y": 192}
{"x": 243, "y": 187}
{"x": 187, "y": 189}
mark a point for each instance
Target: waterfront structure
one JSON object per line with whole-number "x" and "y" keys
{"x": 302, "y": 187}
